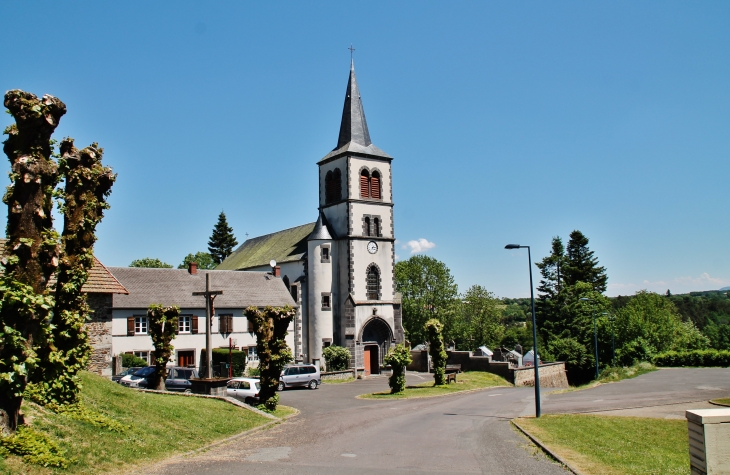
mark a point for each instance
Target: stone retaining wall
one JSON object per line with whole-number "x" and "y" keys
{"x": 552, "y": 375}
{"x": 99, "y": 329}
{"x": 330, "y": 375}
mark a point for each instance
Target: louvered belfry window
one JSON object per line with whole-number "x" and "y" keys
{"x": 337, "y": 185}
{"x": 375, "y": 186}
{"x": 364, "y": 184}
{"x": 373, "y": 283}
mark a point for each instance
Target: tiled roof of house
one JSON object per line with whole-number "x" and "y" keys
{"x": 100, "y": 280}
{"x": 284, "y": 246}
{"x": 176, "y": 286}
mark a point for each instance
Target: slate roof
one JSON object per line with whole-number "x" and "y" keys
{"x": 321, "y": 229}
{"x": 288, "y": 245}
{"x": 176, "y": 286}
{"x": 100, "y": 280}
{"x": 354, "y": 134}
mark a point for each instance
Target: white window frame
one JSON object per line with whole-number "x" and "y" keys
{"x": 140, "y": 325}
{"x": 252, "y": 355}
{"x": 185, "y": 324}
{"x": 144, "y": 354}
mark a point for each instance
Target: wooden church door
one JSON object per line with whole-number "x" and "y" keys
{"x": 366, "y": 357}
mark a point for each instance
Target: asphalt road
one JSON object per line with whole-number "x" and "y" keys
{"x": 467, "y": 433}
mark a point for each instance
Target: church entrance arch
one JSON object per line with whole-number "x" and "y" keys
{"x": 376, "y": 337}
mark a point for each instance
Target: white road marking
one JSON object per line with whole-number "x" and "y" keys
{"x": 348, "y": 455}
{"x": 490, "y": 395}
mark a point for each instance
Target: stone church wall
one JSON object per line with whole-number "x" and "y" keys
{"x": 99, "y": 329}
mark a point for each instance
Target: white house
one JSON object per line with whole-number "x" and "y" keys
{"x": 148, "y": 286}
{"x": 341, "y": 267}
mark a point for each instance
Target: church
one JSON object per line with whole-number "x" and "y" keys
{"x": 340, "y": 268}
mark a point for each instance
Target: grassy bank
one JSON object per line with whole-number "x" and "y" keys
{"x": 723, "y": 401}
{"x": 603, "y": 445}
{"x": 464, "y": 382}
{"x": 612, "y": 375}
{"x": 159, "y": 426}
{"x": 337, "y": 381}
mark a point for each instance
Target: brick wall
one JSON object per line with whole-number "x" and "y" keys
{"x": 99, "y": 329}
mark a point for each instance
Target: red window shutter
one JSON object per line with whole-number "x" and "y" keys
{"x": 130, "y": 326}
{"x": 364, "y": 188}
{"x": 375, "y": 186}
{"x": 194, "y": 324}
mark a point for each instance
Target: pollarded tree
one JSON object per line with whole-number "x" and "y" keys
{"x": 582, "y": 265}
{"x": 270, "y": 326}
{"x": 43, "y": 341}
{"x": 162, "y": 324}
{"x": 221, "y": 242}
{"x": 436, "y": 349}
{"x": 399, "y": 357}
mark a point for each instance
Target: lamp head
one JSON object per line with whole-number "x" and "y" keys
{"x": 512, "y": 246}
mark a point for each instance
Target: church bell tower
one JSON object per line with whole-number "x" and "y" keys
{"x": 356, "y": 227}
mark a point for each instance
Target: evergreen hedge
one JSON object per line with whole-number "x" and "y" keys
{"x": 693, "y": 358}
{"x": 337, "y": 358}
{"x": 238, "y": 358}
{"x": 131, "y": 361}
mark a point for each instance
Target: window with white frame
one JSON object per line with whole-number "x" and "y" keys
{"x": 252, "y": 355}
{"x": 140, "y": 325}
{"x": 145, "y": 355}
{"x": 183, "y": 324}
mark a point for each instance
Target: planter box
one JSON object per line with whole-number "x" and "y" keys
{"x": 210, "y": 387}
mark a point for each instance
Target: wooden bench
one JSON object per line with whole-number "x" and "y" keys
{"x": 451, "y": 371}
{"x": 450, "y": 377}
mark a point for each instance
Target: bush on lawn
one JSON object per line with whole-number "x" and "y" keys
{"x": 693, "y": 358}
{"x": 129, "y": 361}
{"x": 238, "y": 358}
{"x": 337, "y": 358}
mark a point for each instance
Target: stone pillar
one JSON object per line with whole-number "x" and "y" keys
{"x": 709, "y": 441}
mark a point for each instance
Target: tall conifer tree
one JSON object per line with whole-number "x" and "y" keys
{"x": 222, "y": 242}
{"x": 582, "y": 266}
{"x": 552, "y": 282}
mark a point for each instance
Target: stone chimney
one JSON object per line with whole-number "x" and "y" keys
{"x": 193, "y": 268}
{"x": 277, "y": 271}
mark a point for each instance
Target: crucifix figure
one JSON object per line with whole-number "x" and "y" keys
{"x": 209, "y": 311}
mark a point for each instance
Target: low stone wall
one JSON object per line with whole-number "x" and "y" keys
{"x": 552, "y": 375}
{"x": 470, "y": 362}
{"x": 330, "y": 375}
{"x": 419, "y": 361}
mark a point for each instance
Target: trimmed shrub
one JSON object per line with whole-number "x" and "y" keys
{"x": 693, "y": 358}
{"x": 337, "y": 358}
{"x": 398, "y": 358}
{"x": 129, "y": 361}
{"x": 238, "y": 358}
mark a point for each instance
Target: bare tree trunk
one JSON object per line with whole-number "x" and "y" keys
{"x": 32, "y": 247}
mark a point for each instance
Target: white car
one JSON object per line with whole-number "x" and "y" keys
{"x": 244, "y": 389}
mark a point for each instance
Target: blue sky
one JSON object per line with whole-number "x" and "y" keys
{"x": 508, "y": 121}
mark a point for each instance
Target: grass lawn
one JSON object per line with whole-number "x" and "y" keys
{"x": 611, "y": 375}
{"x": 337, "y": 381}
{"x": 724, "y": 401}
{"x": 284, "y": 411}
{"x": 464, "y": 382}
{"x": 604, "y": 445}
{"x": 161, "y": 425}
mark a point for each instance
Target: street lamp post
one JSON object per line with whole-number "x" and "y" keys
{"x": 595, "y": 333}
{"x": 534, "y": 329}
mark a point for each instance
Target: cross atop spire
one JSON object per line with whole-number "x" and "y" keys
{"x": 354, "y": 127}
{"x": 352, "y": 50}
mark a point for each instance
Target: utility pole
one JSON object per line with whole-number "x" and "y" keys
{"x": 209, "y": 311}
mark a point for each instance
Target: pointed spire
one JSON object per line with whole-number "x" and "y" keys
{"x": 321, "y": 230}
{"x": 354, "y": 127}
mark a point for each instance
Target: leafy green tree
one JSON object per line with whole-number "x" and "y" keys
{"x": 399, "y": 357}
{"x": 434, "y": 329}
{"x": 337, "y": 358}
{"x": 221, "y": 242}
{"x": 150, "y": 262}
{"x": 650, "y": 324}
{"x": 429, "y": 291}
{"x": 481, "y": 319}
{"x": 203, "y": 259}
{"x": 582, "y": 265}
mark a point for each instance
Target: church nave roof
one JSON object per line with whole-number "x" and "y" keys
{"x": 283, "y": 246}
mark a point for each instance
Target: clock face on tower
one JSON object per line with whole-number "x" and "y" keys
{"x": 372, "y": 247}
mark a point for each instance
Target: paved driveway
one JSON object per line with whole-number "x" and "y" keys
{"x": 467, "y": 433}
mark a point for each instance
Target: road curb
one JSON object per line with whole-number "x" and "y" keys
{"x": 712, "y": 401}
{"x": 466, "y": 391}
{"x": 544, "y": 448}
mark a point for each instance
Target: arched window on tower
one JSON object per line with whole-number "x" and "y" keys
{"x": 375, "y": 186}
{"x": 373, "y": 287}
{"x": 337, "y": 185}
{"x": 376, "y": 226}
{"x": 364, "y": 184}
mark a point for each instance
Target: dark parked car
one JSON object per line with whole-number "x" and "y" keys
{"x": 117, "y": 377}
{"x": 178, "y": 379}
{"x": 138, "y": 379}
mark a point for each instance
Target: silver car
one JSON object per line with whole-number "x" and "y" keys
{"x": 300, "y": 375}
